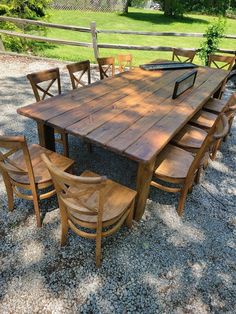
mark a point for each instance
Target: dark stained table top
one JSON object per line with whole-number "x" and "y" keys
{"x": 132, "y": 113}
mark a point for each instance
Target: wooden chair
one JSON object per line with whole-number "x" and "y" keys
{"x": 177, "y": 166}
{"x": 191, "y": 137}
{"x": 106, "y": 67}
{"x": 79, "y": 68}
{"x": 52, "y": 76}
{"x": 183, "y": 55}
{"x": 229, "y": 110}
{"x": 203, "y": 119}
{"x": 125, "y": 61}
{"x": 221, "y": 61}
{"x": 92, "y": 202}
{"x": 22, "y": 169}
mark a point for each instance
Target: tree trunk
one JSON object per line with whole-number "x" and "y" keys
{"x": 168, "y": 8}
{"x": 126, "y": 7}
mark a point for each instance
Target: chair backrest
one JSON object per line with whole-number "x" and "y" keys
{"x": 230, "y": 108}
{"x": 80, "y": 68}
{"x": 125, "y": 61}
{"x": 218, "y": 130}
{"x": 8, "y": 167}
{"x": 72, "y": 189}
{"x": 51, "y": 76}
{"x": 183, "y": 55}
{"x": 221, "y": 61}
{"x": 106, "y": 67}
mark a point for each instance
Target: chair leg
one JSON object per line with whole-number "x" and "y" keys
{"x": 129, "y": 219}
{"x": 230, "y": 126}
{"x": 182, "y": 199}
{"x": 216, "y": 147}
{"x": 64, "y": 224}
{"x": 98, "y": 249}
{"x": 198, "y": 176}
{"x": 64, "y": 137}
{"x": 9, "y": 189}
{"x": 36, "y": 208}
{"x": 64, "y": 233}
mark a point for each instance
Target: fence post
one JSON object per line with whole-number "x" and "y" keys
{"x": 2, "y": 48}
{"x": 94, "y": 39}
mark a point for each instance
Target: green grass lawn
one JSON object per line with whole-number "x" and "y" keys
{"x": 137, "y": 19}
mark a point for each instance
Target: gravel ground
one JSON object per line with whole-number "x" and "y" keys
{"x": 164, "y": 264}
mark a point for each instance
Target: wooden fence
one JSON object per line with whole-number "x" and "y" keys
{"x": 94, "y": 36}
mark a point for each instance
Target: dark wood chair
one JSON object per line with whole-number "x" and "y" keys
{"x": 221, "y": 61}
{"x": 23, "y": 170}
{"x": 106, "y": 67}
{"x": 183, "y": 55}
{"x": 92, "y": 202}
{"x": 52, "y": 77}
{"x": 77, "y": 71}
{"x": 125, "y": 62}
{"x": 175, "y": 165}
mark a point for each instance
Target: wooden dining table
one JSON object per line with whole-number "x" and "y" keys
{"x": 132, "y": 114}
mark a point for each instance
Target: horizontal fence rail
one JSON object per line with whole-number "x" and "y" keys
{"x": 94, "y": 36}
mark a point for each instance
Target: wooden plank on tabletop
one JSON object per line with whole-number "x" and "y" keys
{"x": 160, "y": 134}
{"x": 74, "y": 115}
{"x": 93, "y": 121}
{"x": 157, "y": 105}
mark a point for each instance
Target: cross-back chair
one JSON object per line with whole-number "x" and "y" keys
{"x": 23, "y": 170}
{"x": 177, "y": 166}
{"x": 183, "y": 55}
{"x": 77, "y": 71}
{"x": 93, "y": 202}
{"x": 221, "y": 61}
{"x": 125, "y": 61}
{"x": 52, "y": 76}
{"x": 106, "y": 67}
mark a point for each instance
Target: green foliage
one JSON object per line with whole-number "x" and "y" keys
{"x": 28, "y": 9}
{"x": 4, "y": 9}
{"x": 212, "y": 40}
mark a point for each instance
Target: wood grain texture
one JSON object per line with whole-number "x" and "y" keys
{"x": 132, "y": 113}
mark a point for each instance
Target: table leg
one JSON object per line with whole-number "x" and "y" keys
{"x": 144, "y": 177}
{"x": 46, "y": 136}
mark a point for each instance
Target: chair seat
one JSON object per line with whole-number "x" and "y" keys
{"x": 117, "y": 199}
{"x": 173, "y": 162}
{"x": 215, "y": 105}
{"x": 41, "y": 173}
{"x": 190, "y": 137}
{"x": 204, "y": 119}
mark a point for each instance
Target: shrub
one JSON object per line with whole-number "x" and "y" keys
{"x": 28, "y": 9}
{"x": 4, "y": 9}
{"x": 212, "y": 40}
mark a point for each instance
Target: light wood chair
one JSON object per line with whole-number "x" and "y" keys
{"x": 125, "y": 62}
{"x": 52, "y": 76}
{"x": 177, "y": 166}
{"x": 92, "y": 202}
{"x": 183, "y": 55}
{"x": 190, "y": 136}
{"x": 79, "y": 68}
{"x": 106, "y": 67}
{"x": 204, "y": 120}
{"x": 23, "y": 170}
{"x": 221, "y": 61}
